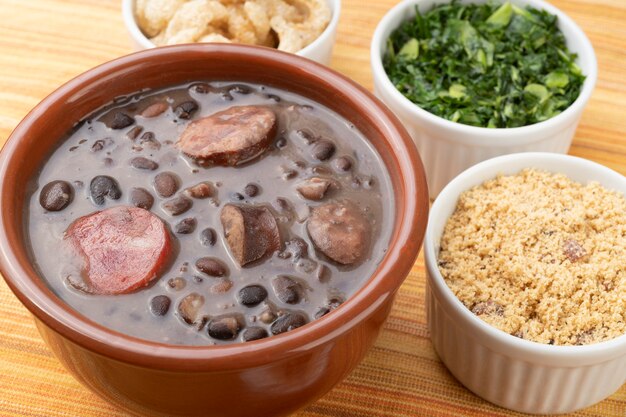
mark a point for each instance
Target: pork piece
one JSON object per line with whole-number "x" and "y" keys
{"x": 189, "y": 310}
{"x": 314, "y": 188}
{"x": 339, "y": 231}
{"x": 229, "y": 137}
{"x": 250, "y": 231}
{"x": 123, "y": 248}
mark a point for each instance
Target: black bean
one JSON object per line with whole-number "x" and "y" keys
{"x": 140, "y": 162}
{"x": 226, "y": 96}
{"x": 323, "y": 273}
{"x": 140, "y": 197}
{"x": 177, "y": 283}
{"x": 134, "y": 132}
{"x": 322, "y": 312}
{"x": 149, "y": 140}
{"x": 166, "y": 183}
{"x": 177, "y": 205}
{"x": 288, "y": 322}
{"x": 160, "y": 305}
{"x": 252, "y": 295}
{"x": 254, "y": 333}
{"x": 251, "y": 190}
{"x": 342, "y": 164}
{"x": 267, "y": 316}
{"x": 287, "y": 290}
{"x": 208, "y": 237}
{"x": 323, "y": 149}
{"x": 240, "y": 89}
{"x": 273, "y": 97}
{"x": 185, "y": 226}
{"x": 236, "y": 197}
{"x": 104, "y": 186}
{"x": 121, "y": 120}
{"x": 283, "y": 204}
{"x": 56, "y": 195}
{"x": 221, "y": 286}
{"x": 224, "y": 328}
{"x": 186, "y": 109}
{"x": 289, "y": 173}
{"x": 155, "y": 109}
{"x": 212, "y": 267}
{"x": 201, "y": 88}
{"x": 281, "y": 142}
{"x": 334, "y": 302}
{"x": 98, "y": 145}
{"x": 307, "y": 136}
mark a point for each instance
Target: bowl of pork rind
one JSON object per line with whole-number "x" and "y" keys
{"x": 304, "y": 27}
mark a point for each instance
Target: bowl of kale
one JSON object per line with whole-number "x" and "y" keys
{"x": 476, "y": 79}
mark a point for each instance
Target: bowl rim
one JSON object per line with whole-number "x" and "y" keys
{"x": 488, "y": 136}
{"x": 485, "y": 332}
{"x": 409, "y": 229}
{"x": 128, "y": 15}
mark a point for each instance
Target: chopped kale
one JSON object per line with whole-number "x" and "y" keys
{"x": 491, "y": 65}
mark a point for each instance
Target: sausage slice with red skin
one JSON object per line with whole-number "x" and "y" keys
{"x": 250, "y": 231}
{"x": 339, "y": 231}
{"x": 229, "y": 137}
{"x": 123, "y": 248}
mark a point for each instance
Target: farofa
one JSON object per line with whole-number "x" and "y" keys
{"x": 540, "y": 257}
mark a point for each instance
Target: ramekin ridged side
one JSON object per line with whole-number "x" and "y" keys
{"x": 448, "y": 148}
{"x": 517, "y": 374}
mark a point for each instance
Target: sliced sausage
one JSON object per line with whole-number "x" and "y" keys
{"x": 250, "y": 231}
{"x": 230, "y": 137}
{"x": 123, "y": 248}
{"x": 339, "y": 231}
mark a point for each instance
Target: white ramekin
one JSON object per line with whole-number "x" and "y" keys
{"x": 319, "y": 50}
{"x": 447, "y": 148}
{"x": 511, "y": 372}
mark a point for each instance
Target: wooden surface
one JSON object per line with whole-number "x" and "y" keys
{"x": 44, "y": 43}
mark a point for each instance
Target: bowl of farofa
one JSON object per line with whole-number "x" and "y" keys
{"x": 270, "y": 377}
{"x": 457, "y": 123}
{"x": 305, "y": 27}
{"x": 526, "y": 284}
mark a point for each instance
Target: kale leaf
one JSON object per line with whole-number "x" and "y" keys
{"x": 491, "y": 65}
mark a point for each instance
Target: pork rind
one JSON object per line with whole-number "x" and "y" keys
{"x": 288, "y": 26}
{"x": 154, "y": 15}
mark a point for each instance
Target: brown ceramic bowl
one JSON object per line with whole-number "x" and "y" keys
{"x": 269, "y": 377}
